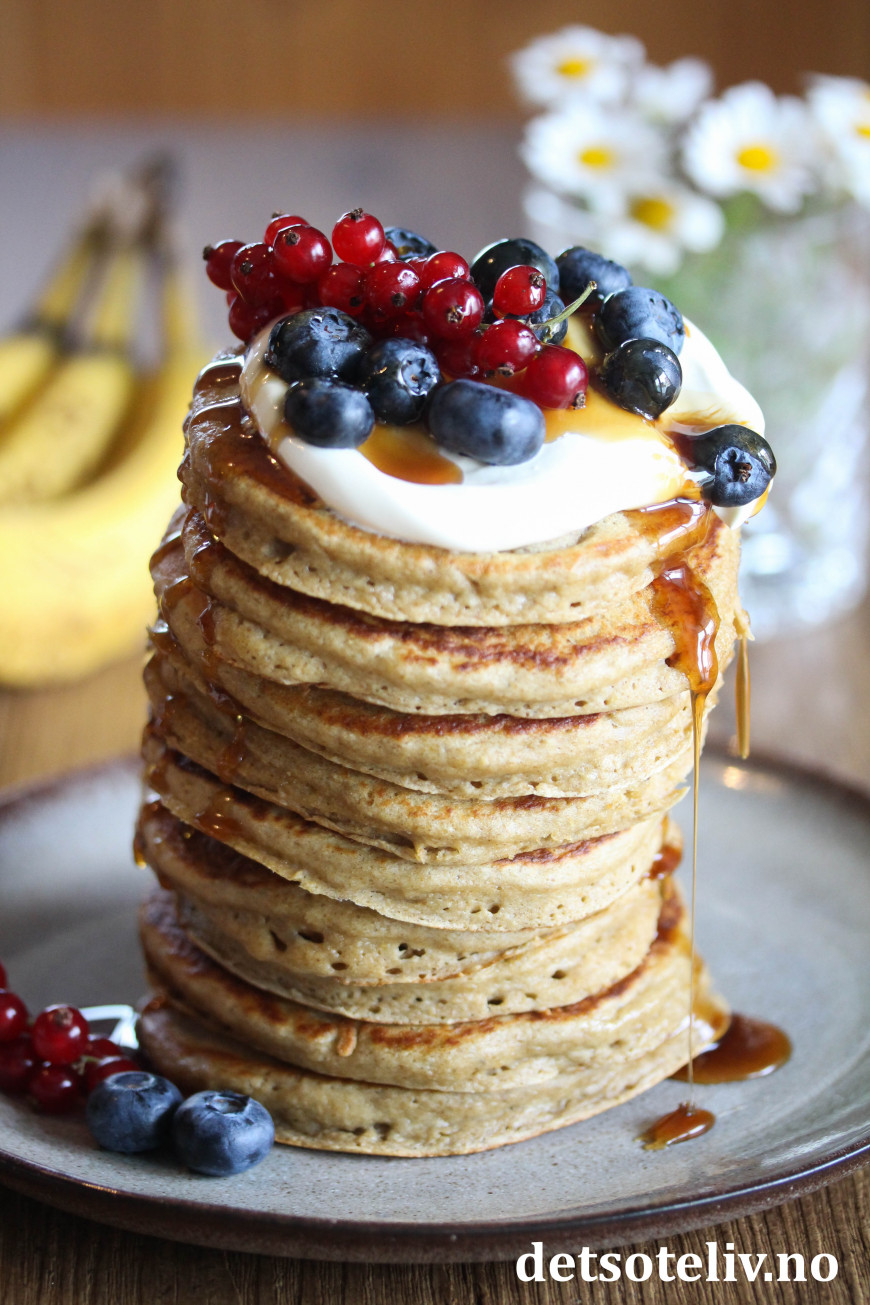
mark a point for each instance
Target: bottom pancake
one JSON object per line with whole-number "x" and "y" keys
{"x": 325, "y": 1113}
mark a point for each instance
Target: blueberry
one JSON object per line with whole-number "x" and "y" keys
{"x": 578, "y": 266}
{"x": 638, "y": 313}
{"x": 316, "y": 342}
{"x": 222, "y": 1133}
{"x": 643, "y": 376}
{"x": 409, "y": 244}
{"x": 486, "y": 423}
{"x": 398, "y": 375}
{"x": 329, "y": 413}
{"x": 551, "y": 307}
{"x": 489, "y": 264}
{"x": 132, "y": 1111}
{"x": 739, "y": 461}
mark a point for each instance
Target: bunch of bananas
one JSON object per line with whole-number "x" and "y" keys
{"x": 89, "y": 445}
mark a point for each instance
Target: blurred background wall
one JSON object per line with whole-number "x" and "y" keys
{"x": 295, "y": 59}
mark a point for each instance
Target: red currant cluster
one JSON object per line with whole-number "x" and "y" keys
{"x": 53, "y": 1058}
{"x": 427, "y": 297}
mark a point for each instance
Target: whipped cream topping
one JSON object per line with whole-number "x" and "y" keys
{"x": 597, "y": 460}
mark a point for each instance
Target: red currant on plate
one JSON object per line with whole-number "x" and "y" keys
{"x": 452, "y": 308}
{"x": 342, "y": 287}
{"x": 456, "y": 358}
{"x": 555, "y": 378}
{"x": 505, "y": 347}
{"x": 13, "y": 1016}
{"x": 440, "y": 267}
{"x": 252, "y": 272}
{"x": 55, "y": 1088}
{"x": 302, "y": 254}
{"x": 2, "y": 975}
{"x": 246, "y": 321}
{"x": 60, "y": 1034}
{"x": 102, "y": 1047}
{"x": 391, "y": 288}
{"x": 217, "y": 262}
{"x": 520, "y": 290}
{"x": 358, "y": 238}
{"x": 105, "y": 1067}
{"x": 18, "y": 1060}
{"x": 280, "y": 222}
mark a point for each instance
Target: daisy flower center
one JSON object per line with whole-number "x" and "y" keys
{"x": 652, "y": 211}
{"x": 758, "y": 158}
{"x": 596, "y": 156}
{"x": 574, "y": 67}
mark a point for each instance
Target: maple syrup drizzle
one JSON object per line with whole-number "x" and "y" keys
{"x": 215, "y": 820}
{"x": 742, "y": 690}
{"x": 749, "y": 1048}
{"x": 686, "y": 1121}
{"x": 665, "y": 861}
{"x": 231, "y": 757}
{"x": 409, "y": 454}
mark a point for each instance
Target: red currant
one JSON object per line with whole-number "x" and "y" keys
{"x": 555, "y": 378}
{"x": 55, "y": 1088}
{"x": 217, "y": 262}
{"x": 2, "y": 975}
{"x": 408, "y": 325}
{"x": 13, "y": 1016}
{"x": 358, "y": 238}
{"x": 97, "y": 1070}
{"x": 293, "y": 297}
{"x": 452, "y": 308}
{"x": 389, "y": 253}
{"x": 391, "y": 288}
{"x": 342, "y": 287}
{"x": 280, "y": 222}
{"x": 102, "y": 1047}
{"x": 505, "y": 347}
{"x": 60, "y": 1034}
{"x": 456, "y": 358}
{"x": 18, "y": 1060}
{"x": 302, "y": 254}
{"x": 520, "y": 290}
{"x": 252, "y": 272}
{"x": 246, "y": 321}
{"x": 440, "y": 267}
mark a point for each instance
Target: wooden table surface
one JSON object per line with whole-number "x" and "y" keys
{"x": 810, "y": 702}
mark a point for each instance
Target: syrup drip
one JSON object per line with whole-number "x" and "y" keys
{"x": 409, "y": 454}
{"x": 139, "y": 850}
{"x": 750, "y": 1048}
{"x": 173, "y": 594}
{"x": 665, "y": 861}
{"x": 165, "y": 548}
{"x": 742, "y": 689}
{"x": 231, "y": 757}
{"x": 681, "y": 1124}
{"x": 675, "y": 526}
{"x": 215, "y": 820}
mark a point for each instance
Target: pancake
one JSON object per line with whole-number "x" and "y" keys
{"x": 269, "y": 518}
{"x": 632, "y": 1017}
{"x": 532, "y": 890}
{"x": 615, "y": 660}
{"x": 336, "y": 1114}
{"x": 340, "y": 957}
{"x": 368, "y": 810}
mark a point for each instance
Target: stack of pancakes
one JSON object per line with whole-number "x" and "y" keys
{"x": 408, "y": 812}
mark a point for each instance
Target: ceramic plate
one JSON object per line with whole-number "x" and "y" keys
{"x": 783, "y": 919}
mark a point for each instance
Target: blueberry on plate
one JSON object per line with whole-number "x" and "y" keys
{"x": 222, "y": 1133}
{"x": 398, "y": 376}
{"x": 329, "y": 413}
{"x": 638, "y": 313}
{"x": 409, "y": 244}
{"x": 484, "y": 422}
{"x": 578, "y": 266}
{"x": 489, "y": 264}
{"x": 316, "y": 342}
{"x": 643, "y": 376}
{"x": 739, "y": 461}
{"x": 132, "y": 1111}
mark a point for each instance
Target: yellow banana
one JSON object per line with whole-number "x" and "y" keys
{"x": 74, "y": 572}
{"x": 64, "y": 433}
{"x": 27, "y": 355}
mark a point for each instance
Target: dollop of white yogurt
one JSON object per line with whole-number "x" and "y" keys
{"x": 575, "y": 480}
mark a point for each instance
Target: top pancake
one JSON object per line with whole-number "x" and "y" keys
{"x": 272, "y": 520}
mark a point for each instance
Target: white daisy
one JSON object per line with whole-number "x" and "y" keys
{"x": 660, "y": 223}
{"x": 576, "y": 61}
{"x": 591, "y": 152}
{"x": 671, "y": 94}
{"x": 752, "y": 140}
{"x": 841, "y": 108}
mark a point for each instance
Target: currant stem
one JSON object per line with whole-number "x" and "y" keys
{"x": 547, "y": 328}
